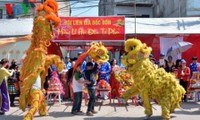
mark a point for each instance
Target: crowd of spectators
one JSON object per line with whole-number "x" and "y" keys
{"x": 88, "y": 74}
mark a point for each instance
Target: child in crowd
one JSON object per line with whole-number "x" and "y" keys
{"x": 78, "y": 83}
{"x": 89, "y": 75}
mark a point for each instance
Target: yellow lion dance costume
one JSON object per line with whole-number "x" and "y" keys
{"x": 150, "y": 82}
{"x": 98, "y": 52}
{"x": 37, "y": 62}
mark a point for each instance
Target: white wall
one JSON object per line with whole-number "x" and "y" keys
{"x": 15, "y": 50}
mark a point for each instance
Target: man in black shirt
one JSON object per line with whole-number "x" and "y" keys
{"x": 89, "y": 74}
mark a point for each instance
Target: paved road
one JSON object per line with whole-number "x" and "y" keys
{"x": 189, "y": 111}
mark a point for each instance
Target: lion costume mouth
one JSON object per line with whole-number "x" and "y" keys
{"x": 98, "y": 52}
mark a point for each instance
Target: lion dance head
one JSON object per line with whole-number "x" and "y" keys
{"x": 50, "y": 9}
{"x": 135, "y": 51}
{"x": 98, "y": 52}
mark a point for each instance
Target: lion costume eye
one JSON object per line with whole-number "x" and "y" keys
{"x": 132, "y": 48}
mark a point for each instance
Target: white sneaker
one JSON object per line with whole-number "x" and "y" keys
{"x": 105, "y": 97}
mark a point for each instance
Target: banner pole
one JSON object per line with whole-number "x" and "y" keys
{"x": 135, "y": 19}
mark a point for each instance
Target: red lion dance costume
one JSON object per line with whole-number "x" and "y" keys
{"x": 36, "y": 63}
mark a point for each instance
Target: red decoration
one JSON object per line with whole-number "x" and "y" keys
{"x": 91, "y": 28}
{"x": 9, "y": 8}
{"x": 31, "y": 0}
{"x": 54, "y": 73}
{"x": 199, "y": 68}
{"x": 102, "y": 84}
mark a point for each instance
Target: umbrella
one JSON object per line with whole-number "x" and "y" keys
{"x": 179, "y": 48}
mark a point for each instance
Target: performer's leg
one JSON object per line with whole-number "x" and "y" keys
{"x": 35, "y": 102}
{"x": 71, "y": 91}
{"x": 75, "y": 103}
{"x": 12, "y": 99}
{"x": 42, "y": 108}
{"x": 165, "y": 111}
{"x": 133, "y": 91}
{"x": 80, "y": 101}
{"x": 147, "y": 105}
{"x": 172, "y": 108}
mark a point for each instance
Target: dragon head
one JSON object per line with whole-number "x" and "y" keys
{"x": 135, "y": 51}
{"x": 98, "y": 52}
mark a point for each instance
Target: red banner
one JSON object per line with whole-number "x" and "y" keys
{"x": 90, "y": 28}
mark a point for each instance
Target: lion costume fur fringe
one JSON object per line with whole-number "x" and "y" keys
{"x": 37, "y": 62}
{"x": 150, "y": 82}
{"x": 97, "y": 51}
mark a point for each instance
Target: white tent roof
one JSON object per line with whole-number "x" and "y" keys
{"x": 189, "y": 25}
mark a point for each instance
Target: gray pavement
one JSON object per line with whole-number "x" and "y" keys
{"x": 106, "y": 111}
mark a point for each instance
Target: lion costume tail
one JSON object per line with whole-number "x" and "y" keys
{"x": 172, "y": 91}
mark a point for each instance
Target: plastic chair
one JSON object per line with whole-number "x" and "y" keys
{"x": 57, "y": 95}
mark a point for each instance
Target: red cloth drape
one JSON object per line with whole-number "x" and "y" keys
{"x": 194, "y": 51}
{"x": 54, "y": 48}
{"x": 152, "y": 41}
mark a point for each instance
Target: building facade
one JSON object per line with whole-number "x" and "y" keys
{"x": 150, "y": 8}
{"x": 64, "y": 8}
{"x": 126, "y": 8}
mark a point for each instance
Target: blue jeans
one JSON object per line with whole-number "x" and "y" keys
{"x": 77, "y": 102}
{"x": 92, "y": 95}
